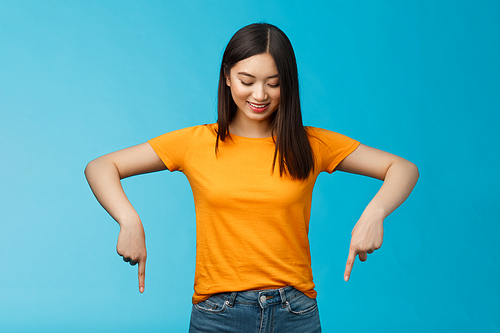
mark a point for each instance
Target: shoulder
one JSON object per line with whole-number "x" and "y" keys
{"x": 185, "y": 137}
{"x": 172, "y": 147}
{"x": 330, "y": 147}
{"x": 321, "y": 134}
{"x": 204, "y": 128}
{"x": 317, "y": 131}
{"x": 325, "y": 140}
{"x": 192, "y": 131}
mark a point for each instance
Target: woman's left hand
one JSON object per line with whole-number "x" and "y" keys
{"x": 367, "y": 236}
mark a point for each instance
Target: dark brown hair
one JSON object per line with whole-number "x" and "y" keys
{"x": 293, "y": 151}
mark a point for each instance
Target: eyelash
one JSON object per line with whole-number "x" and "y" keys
{"x": 271, "y": 85}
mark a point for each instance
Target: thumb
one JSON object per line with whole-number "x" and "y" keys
{"x": 142, "y": 275}
{"x": 350, "y": 262}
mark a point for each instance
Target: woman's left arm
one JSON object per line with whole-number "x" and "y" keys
{"x": 399, "y": 176}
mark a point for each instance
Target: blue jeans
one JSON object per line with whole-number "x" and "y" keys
{"x": 284, "y": 310}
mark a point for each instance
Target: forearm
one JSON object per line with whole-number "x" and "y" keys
{"x": 399, "y": 176}
{"x": 399, "y": 181}
{"x": 104, "y": 180}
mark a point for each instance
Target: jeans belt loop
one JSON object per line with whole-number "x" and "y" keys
{"x": 232, "y": 299}
{"x": 283, "y": 296}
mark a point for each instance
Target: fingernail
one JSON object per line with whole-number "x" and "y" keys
{"x": 346, "y": 278}
{"x": 141, "y": 289}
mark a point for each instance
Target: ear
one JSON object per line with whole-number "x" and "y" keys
{"x": 228, "y": 81}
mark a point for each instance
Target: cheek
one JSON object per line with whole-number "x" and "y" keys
{"x": 276, "y": 97}
{"x": 237, "y": 92}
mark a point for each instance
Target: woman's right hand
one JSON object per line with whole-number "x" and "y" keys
{"x": 131, "y": 246}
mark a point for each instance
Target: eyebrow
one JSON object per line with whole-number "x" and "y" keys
{"x": 250, "y": 75}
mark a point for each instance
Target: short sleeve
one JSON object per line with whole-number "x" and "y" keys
{"x": 330, "y": 148}
{"x": 172, "y": 147}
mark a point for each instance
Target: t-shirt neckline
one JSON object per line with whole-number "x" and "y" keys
{"x": 250, "y": 138}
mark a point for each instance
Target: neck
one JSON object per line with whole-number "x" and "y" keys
{"x": 249, "y": 128}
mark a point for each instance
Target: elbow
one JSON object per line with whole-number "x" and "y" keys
{"x": 101, "y": 165}
{"x": 89, "y": 168}
{"x": 94, "y": 165}
{"x": 403, "y": 167}
{"x": 406, "y": 169}
{"x": 417, "y": 173}
{"x": 412, "y": 171}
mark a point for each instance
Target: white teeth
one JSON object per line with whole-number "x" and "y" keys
{"x": 258, "y": 106}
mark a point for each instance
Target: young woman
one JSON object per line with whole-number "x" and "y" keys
{"x": 252, "y": 175}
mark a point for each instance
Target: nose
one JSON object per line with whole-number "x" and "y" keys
{"x": 259, "y": 93}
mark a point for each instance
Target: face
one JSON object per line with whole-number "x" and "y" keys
{"x": 254, "y": 84}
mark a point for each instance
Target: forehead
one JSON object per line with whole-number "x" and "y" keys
{"x": 258, "y": 65}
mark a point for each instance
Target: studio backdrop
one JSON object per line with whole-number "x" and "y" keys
{"x": 79, "y": 79}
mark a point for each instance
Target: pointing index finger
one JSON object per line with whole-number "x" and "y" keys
{"x": 142, "y": 275}
{"x": 349, "y": 264}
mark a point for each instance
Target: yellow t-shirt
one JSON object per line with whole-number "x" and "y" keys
{"x": 251, "y": 224}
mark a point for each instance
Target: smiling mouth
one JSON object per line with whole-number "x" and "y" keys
{"x": 259, "y": 106}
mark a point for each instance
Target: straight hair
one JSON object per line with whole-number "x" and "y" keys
{"x": 292, "y": 148}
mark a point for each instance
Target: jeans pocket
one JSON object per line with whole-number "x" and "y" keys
{"x": 213, "y": 304}
{"x": 301, "y": 305}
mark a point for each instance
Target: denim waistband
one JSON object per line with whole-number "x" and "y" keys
{"x": 261, "y": 297}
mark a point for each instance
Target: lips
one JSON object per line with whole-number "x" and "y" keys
{"x": 258, "y": 107}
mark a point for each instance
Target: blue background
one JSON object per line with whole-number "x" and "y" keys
{"x": 79, "y": 79}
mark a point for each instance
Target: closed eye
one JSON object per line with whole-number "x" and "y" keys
{"x": 246, "y": 83}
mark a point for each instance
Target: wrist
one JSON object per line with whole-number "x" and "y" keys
{"x": 129, "y": 220}
{"x": 375, "y": 214}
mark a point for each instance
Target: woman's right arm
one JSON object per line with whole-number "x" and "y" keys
{"x": 104, "y": 175}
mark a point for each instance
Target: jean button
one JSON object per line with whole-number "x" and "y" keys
{"x": 263, "y": 299}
